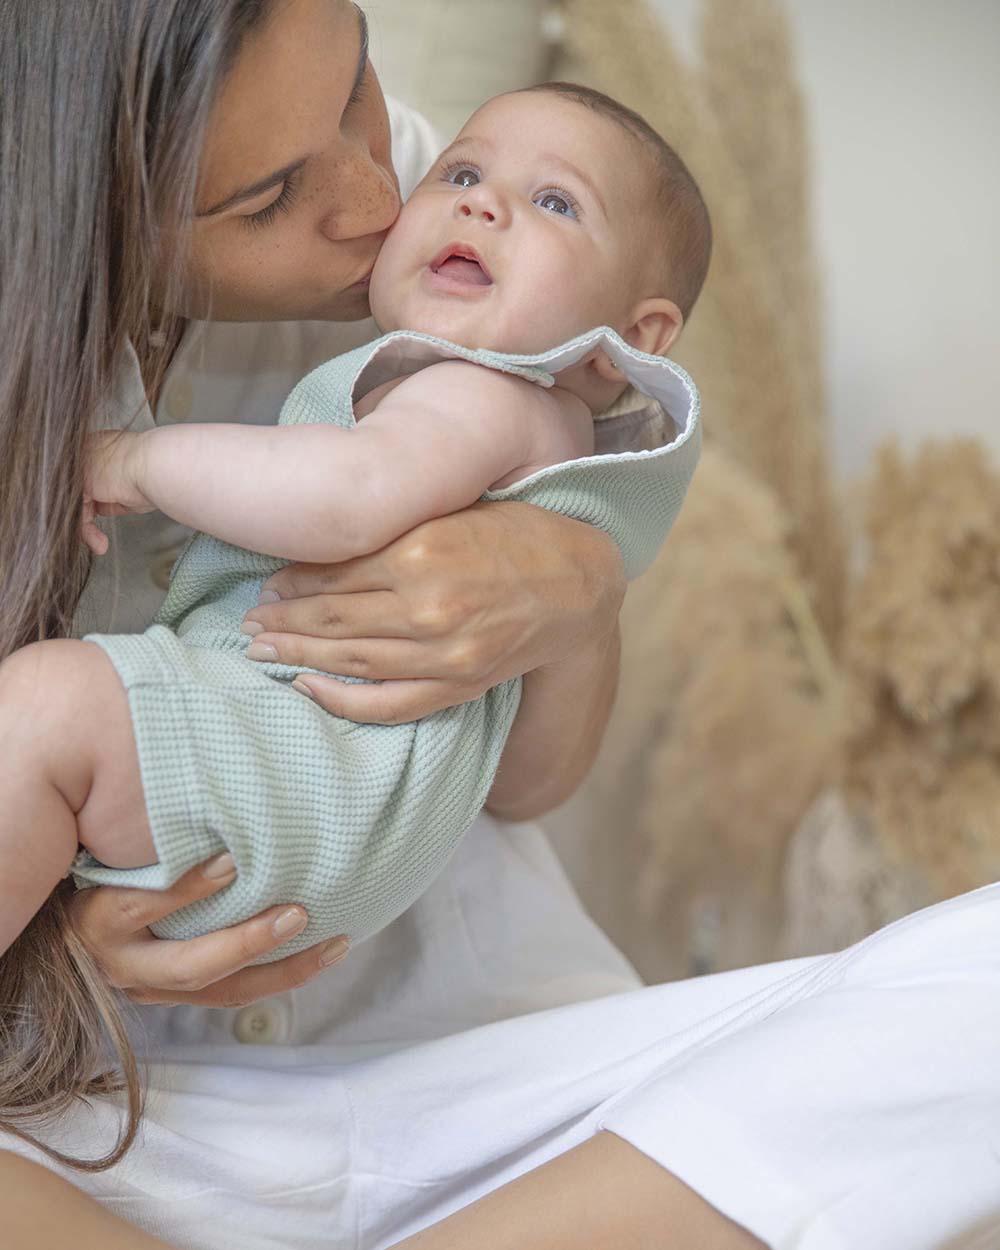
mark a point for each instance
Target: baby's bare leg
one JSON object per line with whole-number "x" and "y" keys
{"x": 69, "y": 773}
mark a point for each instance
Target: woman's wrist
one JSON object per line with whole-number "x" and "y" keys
{"x": 555, "y": 738}
{"x": 567, "y": 699}
{"x": 574, "y": 573}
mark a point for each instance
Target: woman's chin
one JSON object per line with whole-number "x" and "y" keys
{"x": 349, "y": 305}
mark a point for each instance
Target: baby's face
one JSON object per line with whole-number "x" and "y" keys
{"x": 525, "y": 233}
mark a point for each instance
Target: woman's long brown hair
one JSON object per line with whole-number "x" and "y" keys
{"x": 103, "y": 109}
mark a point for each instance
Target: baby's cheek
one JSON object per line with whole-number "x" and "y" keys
{"x": 383, "y": 298}
{"x": 546, "y": 317}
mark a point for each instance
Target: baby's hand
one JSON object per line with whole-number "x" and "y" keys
{"x": 111, "y": 483}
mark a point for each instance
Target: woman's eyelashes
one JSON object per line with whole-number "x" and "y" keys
{"x": 258, "y": 220}
{"x": 553, "y": 199}
{"x": 359, "y": 88}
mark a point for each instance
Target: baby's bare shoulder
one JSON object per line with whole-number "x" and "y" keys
{"x": 549, "y": 424}
{"x": 447, "y": 381}
{"x": 460, "y": 388}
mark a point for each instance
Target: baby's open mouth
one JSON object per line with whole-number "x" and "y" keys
{"x": 462, "y": 265}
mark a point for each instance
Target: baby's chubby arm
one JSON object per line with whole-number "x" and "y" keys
{"x": 323, "y": 493}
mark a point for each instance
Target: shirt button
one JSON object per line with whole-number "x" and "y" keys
{"x": 178, "y": 399}
{"x": 262, "y": 1024}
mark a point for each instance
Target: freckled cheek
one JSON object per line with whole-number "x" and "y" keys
{"x": 260, "y": 264}
{"x": 251, "y": 275}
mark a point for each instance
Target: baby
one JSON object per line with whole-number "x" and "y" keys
{"x": 555, "y": 211}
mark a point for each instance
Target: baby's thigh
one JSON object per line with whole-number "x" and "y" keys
{"x": 63, "y": 702}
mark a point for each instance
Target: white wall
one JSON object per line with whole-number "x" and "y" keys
{"x": 904, "y": 99}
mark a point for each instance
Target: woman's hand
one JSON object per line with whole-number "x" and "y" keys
{"x": 447, "y": 611}
{"x": 212, "y": 970}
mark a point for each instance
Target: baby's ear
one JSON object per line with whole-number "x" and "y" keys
{"x": 655, "y": 326}
{"x": 656, "y": 323}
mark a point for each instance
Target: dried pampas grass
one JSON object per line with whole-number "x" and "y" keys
{"x": 727, "y": 722}
{"x": 793, "y": 760}
{"x": 923, "y": 653}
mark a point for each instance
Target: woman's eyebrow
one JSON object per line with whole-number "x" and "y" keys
{"x": 279, "y": 175}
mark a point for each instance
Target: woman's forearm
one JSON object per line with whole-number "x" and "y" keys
{"x": 557, "y": 732}
{"x": 38, "y": 1209}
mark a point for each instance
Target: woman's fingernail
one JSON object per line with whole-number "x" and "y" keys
{"x": 302, "y": 688}
{"x": 222, "y": 866}
{"x": 252, "y": 628}
{"x": 333, "y": 952}
{"x": 261, "y": 651}
{"x": 289, "y": 923}
{"x": 268, "y": 596}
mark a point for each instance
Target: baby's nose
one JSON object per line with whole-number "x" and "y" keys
{"x": 487, "y": 214}
{"x": 486, "y": 204}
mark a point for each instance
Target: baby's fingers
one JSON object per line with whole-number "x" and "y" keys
{"x": 95, "y": 539}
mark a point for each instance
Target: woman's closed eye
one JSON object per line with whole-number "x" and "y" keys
{"x": 281, "y": 204}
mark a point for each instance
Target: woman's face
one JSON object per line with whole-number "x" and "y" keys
{"x": 296, "y": 186}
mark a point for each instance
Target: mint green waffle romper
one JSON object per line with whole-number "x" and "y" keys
{"x": 351, "y": 820}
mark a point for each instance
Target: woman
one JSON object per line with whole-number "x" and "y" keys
{"x": 194, "y": 193}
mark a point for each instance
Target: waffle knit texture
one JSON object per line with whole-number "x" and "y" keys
{"x": 351, "y": 820}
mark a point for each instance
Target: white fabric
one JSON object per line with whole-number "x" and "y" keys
{"x": 844, "y": 1102}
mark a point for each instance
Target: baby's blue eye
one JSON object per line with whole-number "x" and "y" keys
{"x": 463, "y": 176}
{"x": 554, "y": 202}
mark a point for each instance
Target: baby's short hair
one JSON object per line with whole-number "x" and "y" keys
{"x": 683, "y": 217}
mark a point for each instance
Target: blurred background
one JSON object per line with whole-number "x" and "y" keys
{"x": 806, "y": 742}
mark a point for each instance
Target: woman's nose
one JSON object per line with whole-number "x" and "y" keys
{"x": 366, "y": 200}
{"x": 484, "y": 204}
